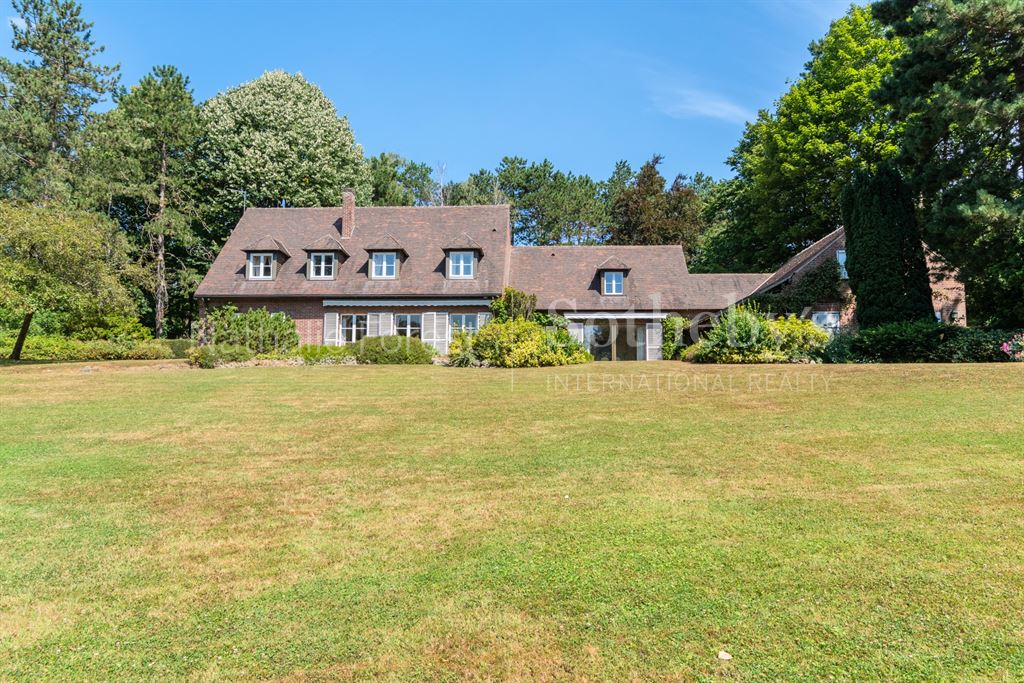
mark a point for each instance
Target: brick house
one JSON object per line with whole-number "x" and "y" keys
{"x": 347, "y": 272}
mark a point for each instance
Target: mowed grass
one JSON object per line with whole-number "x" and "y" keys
{"x": 604, "y": 522}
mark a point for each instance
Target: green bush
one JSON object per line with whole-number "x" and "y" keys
{"x": 115, "y": 328}
{"x": 513, "y": 305}
{"x": 742, "y": 334}
{"x": 325, "y": 355}
{"x": 256, "y": 329}
{"x": 798, "y": 338}
{"x": 675, "y": 337}
{"x": 391, "y": 351}
{"x": 973, "y": 345}
{"x": 212, "y": 355}
{"x": 461, "y": 353}
{"x": 65, "y": 349}
{"x": 838, "y": 349}
{"x": 179, "y": 348}
{"x": 901, "y": 342}
{"x": 518, "y": 343}
{"x": 927, "y": 341}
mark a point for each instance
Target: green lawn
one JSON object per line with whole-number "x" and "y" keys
{"x": 855, "y": 522}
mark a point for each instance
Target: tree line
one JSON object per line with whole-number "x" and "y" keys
{"x": 926, "y": 93}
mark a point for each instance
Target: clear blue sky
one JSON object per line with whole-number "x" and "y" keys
{"x": 583, "y": 83}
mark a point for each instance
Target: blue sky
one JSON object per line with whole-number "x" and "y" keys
{"x": 463, "y": 84}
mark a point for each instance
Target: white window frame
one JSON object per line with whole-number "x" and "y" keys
{"x": 348, "y": 333}
{"x": 455, "y": 328}
{"x": 461, "y": 269}
{"x": 408, "y": 331}
{"x": 841, "y": 258}
{"x": 380, "y": 258}
{"x": 261, "y": 265}
{"x": 326, "y": 264}
{"x": 606, "y": 282}
{"x": 831, "y": 329}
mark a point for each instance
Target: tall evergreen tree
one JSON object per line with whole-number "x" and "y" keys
{"x": 885, "y": 256}
{"x": 395, "y": 181}
{"x": 143, "y": 147}
{"x": 47, "y": 99}
{"x": 960, "y": 91}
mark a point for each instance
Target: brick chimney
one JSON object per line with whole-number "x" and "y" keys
{"x": 348, "y": 212}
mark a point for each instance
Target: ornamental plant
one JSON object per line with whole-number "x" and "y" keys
{"x": 1014, "y": 347}
{"x": 521, "y": 343}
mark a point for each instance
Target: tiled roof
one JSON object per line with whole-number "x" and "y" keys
{"x": 422, "y": 231}
{"x": 794, "y": 265}
{"x": 267, "y": 243}
{"x": 464, "y": 242}
{"x": 386, "y": 242}
{"x": 326, "y": 243}
{"x": 613, "y": 262}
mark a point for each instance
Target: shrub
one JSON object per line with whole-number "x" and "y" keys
{"x": 179, "y": 348}
{"x": 799, "y": 339}
{"x": 741, "y": 334}
{"x": 513, "y": 305}
{"x": 326, "y": 355}
{"x": 675, "y": 332}
{"x": 212, "y": 355}
{"x": 838, "y": 348}
{"x": 391, "y": 351}
{"x": 1014, "y": 347}
{"x": 256, "y": 329}
{"x": 518, "y": 343}
{"x": 65, "y": 349}
{"x": 460, "y": 351}
{"x": 115, "y": 328}
{"x": 972, "y": 345}
{"x": 902, "y": 342}
{"x": 550, "y": 319}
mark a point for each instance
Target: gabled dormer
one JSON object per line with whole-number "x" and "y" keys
{"x": 462, "y": 254}
{"x": 386, "y": 256}
{"x": 263, "y": 258}
{"x": 323, "y": 257}
{"x": 613, "y": 272}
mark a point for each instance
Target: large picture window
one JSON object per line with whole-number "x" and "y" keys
{"x": 261, "y": 266}
{"x": 384, "y": 265}
{"x": 353, "y": 328}
{"x": 460, "y": 265}
{"x": 409, "y": 325}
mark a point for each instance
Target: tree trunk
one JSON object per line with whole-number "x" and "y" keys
{"x": 160, "y": 303}
{"x": 16, "y": 351}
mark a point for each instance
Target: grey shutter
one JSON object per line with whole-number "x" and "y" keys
{"x": 654, "y": 341}
{"x": 387, "y": 324}
{"x": 427, "y": 329}
{"x": 373, "y": 324}
{"x": 330, "y": 329}
{"x": 576, "y": 330}
{"x": 435, "y": 331}
{"x": 482, "y": 319}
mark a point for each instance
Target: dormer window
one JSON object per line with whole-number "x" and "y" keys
{"x": 321, "y": 265}
{"x": 611, "y": 283}
{"x": 461, "y": 265}
{"x": 261, "y": 266}
{"x": 384, "y": 265}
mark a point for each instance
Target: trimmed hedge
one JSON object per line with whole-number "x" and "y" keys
{"x": 326, "y": 355}
{"x": 391, "y": 351}
{"x": 64, "y": 349}
{"x": 179, "y": 348}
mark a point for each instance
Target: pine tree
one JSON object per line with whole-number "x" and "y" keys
{"x": 141, "y": 148}
{"x": 885, "y": 256}
{"x": 959, "y": 91}
{"x": 645, "y": 212}
{"x": 47, "y": 99}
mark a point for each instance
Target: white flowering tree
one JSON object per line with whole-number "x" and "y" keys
{"x": 275, "y": 139}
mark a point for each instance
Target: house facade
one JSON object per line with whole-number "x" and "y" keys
{"x": 344, "y": 273}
